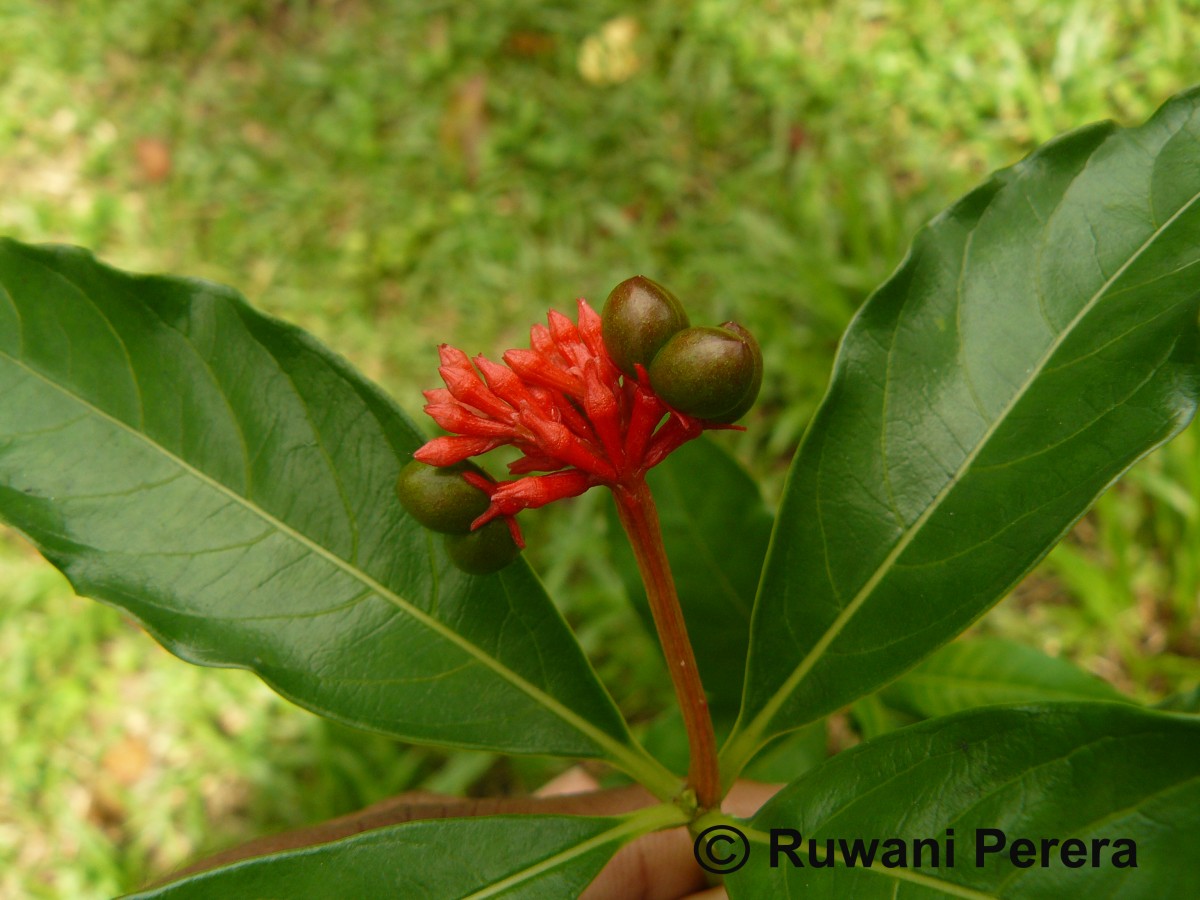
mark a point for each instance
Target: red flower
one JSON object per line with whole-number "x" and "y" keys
{"x": 564, "y": 405}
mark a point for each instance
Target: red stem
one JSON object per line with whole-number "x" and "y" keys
{"x": 635, "y": 506}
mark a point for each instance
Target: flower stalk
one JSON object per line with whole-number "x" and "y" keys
{"x": 639, "y": 516}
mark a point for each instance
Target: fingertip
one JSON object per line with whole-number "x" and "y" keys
{"x": 573, "y": 781}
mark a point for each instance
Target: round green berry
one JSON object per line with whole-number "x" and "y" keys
{"x": 439, "y": 498}
{"x": 710, "y": 373}
{"x": 485, "y": 550}
{"x": 639, "y": 316}
{"x": 755, "y": 383}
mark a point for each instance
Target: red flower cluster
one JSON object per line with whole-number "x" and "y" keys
{"x": 564, "y": 405}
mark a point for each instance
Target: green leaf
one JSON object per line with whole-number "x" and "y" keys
{"x": 788, "y": 757}
{"x": 493, "y": 856}
{"x": 1039, "y": 338}
{"x": 1183, "y": 701}
{"x": 1058, "y": 771}
{"x": 229, "y": 482}
{"x": 872, "y": 717}
{"x": 715, "y": 530}
{"x": 987, "y": 671}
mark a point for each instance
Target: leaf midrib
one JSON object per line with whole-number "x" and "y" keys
{"x": 620, "y": 753}
{"x": 751, "y": 737}
{"x": 653, "y": 819}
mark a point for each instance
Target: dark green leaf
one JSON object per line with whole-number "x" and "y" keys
{"x": 1059, "y": 771}
{"x": 986, "y": 671}
{"x": 1183, "y": 701}
{"x": 1040, "y": 338}
{"x": 715, "y": 528}
{"x": 872, "y": 717}
{"x": 666, "y": 740}
{"x": 494, "y": 856}
{"x": 790, "y": 756}
{"x": 229, "y": 481}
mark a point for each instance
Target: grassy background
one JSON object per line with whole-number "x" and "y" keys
{"x": 391, "y": 175}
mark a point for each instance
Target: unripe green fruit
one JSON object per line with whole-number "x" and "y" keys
{"x": 756, "y": 378}
{"x": 485, "y": 550}
{"x": 710, "y": 373}
{"x": 639, "y": 317}
{"x": 439, "y": 498}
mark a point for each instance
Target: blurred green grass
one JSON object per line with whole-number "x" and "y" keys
{"x": 393, "y": 175}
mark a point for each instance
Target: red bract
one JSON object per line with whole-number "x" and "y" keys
{"x": 564, "y": 405}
